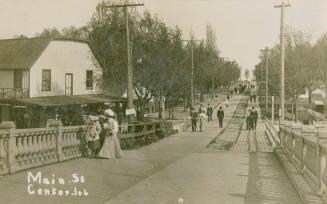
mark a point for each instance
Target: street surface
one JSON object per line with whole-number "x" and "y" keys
{"x": 229, "y": 165}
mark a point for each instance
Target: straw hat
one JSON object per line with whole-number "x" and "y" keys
{"x": 109, "y": 112}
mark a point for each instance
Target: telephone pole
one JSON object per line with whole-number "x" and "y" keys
{"x": 130, "y": 92}
{"x": 282, "y": 47}
{"x": 192, "y": 69}
{"x": 266, "y": 50}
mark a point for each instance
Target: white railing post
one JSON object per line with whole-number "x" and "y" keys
{"x": 321, "y": 133}
{"x": 302, "y": 150}
{"x": 57, "y": 124}
{"x": 12, "y": 149}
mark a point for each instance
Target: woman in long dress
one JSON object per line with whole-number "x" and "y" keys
{"x": 111, "y": 146}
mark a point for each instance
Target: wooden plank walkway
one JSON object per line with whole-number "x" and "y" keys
{"x": 177, "y": 168}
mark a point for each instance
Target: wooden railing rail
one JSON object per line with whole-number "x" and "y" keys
{"x": 10, "y": 93}
{"x": 22, "y": 149}
{"x": 306, "y": 146}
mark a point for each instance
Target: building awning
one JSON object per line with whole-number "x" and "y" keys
{"x": 70, "y": 100}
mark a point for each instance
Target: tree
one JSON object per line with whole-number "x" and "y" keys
{"x": 49, "y": 33}
{"x": 160, "y": 59}
{"x": 301, "y": 71}
{"x": 320, "y": 56}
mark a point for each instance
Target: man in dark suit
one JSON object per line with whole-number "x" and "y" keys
{"x": 253, "y": 119}
{"x": 220, "y": 116}
{"x": 194, "y": 119}
{"x": 209, "y": 112}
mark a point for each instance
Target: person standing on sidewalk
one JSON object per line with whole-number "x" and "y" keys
{"x": 247, "y": 118}
{"x": 254, "y": 118}
{"x": 209, "y": 112}
{"x": 220, "y": 116}
{"x": 194, "y": 119}
{"x": 253, "y": 94}
{"x": 202, "y": 118}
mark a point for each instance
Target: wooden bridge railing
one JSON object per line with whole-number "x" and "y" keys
{"x": 28, "y": 148}
{"x": 306, "y": 146}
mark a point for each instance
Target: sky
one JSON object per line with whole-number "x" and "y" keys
{"x": 243, "y": 27}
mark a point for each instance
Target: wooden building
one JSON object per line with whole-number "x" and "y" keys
{"x": 41, "y": 77}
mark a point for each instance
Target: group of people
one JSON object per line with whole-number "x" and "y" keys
{"x": 251, "y": 118}
{"x": 204, "y": 113}
{"x": 201, "y": 115}
{"x": 102, "y": 136}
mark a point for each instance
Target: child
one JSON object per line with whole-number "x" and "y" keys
{"x": 93, "y": 134}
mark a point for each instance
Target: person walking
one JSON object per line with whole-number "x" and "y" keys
{"x": 209, "y": 113}
{"x": 254, "y": 118}
{"x": 202, "y": 117}
{"x": 253, "y": 94}
{"x": 111, "y": 146}
{"x": 247, "y": 118}
{"x": 220, "y": 116}
{"x": 194, "y": 119}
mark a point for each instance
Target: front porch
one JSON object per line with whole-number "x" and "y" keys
{"x": 13, "y": 93}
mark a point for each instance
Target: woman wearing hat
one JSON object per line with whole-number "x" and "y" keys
{"x": 111, "y": 146}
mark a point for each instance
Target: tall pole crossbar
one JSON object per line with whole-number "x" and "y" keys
{"x": 282, "y": 74}
{"x": 130, "y": 92}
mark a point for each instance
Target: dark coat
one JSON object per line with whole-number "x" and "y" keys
{"x": 209, "y": 111}
{"x": 194, "y": 116}
{"x": 220, "y": 114}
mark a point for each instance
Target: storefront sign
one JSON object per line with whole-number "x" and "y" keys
{"x": 130, "y": 111}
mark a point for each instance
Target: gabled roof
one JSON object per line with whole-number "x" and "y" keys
{"x": 22, "y": 53}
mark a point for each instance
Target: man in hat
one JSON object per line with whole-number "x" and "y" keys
{"x": 220, "y": 116}
{"x": 253, "y": 118}
{"x": 194, "y": 119}
{"x": 209, "y": 112}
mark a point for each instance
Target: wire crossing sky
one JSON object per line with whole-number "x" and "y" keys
{"x": 243, "y": 27}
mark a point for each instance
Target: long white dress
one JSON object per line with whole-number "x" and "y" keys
{"x": 111, "y": 146}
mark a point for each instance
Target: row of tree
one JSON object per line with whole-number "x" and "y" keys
{"x": 160, "y": 57}
{"x": 305, "y": 65}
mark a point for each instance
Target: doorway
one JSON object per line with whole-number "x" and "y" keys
{"x": 69, "y": 84}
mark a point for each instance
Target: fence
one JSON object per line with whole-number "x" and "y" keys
{"x": 306, "y": 146}
{"x": 26, "y": 148}
{"x": 22, "y": 149}
{"x": 10, "y": 93}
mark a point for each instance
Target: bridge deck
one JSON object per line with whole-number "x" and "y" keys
{"x": 181, "y": 167}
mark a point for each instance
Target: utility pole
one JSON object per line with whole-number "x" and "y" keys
{"x": 130, "y": 92}
{"x": 282, "y": 47}
{"x": 192, "y": 75}
{"x": 266, "y": 50}
{"x": 192, "y": 69}
{"x": 261, "y": 77}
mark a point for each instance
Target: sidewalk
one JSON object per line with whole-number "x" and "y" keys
{"x": 108, "y": 179}
{"x": 177, "y": 169}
